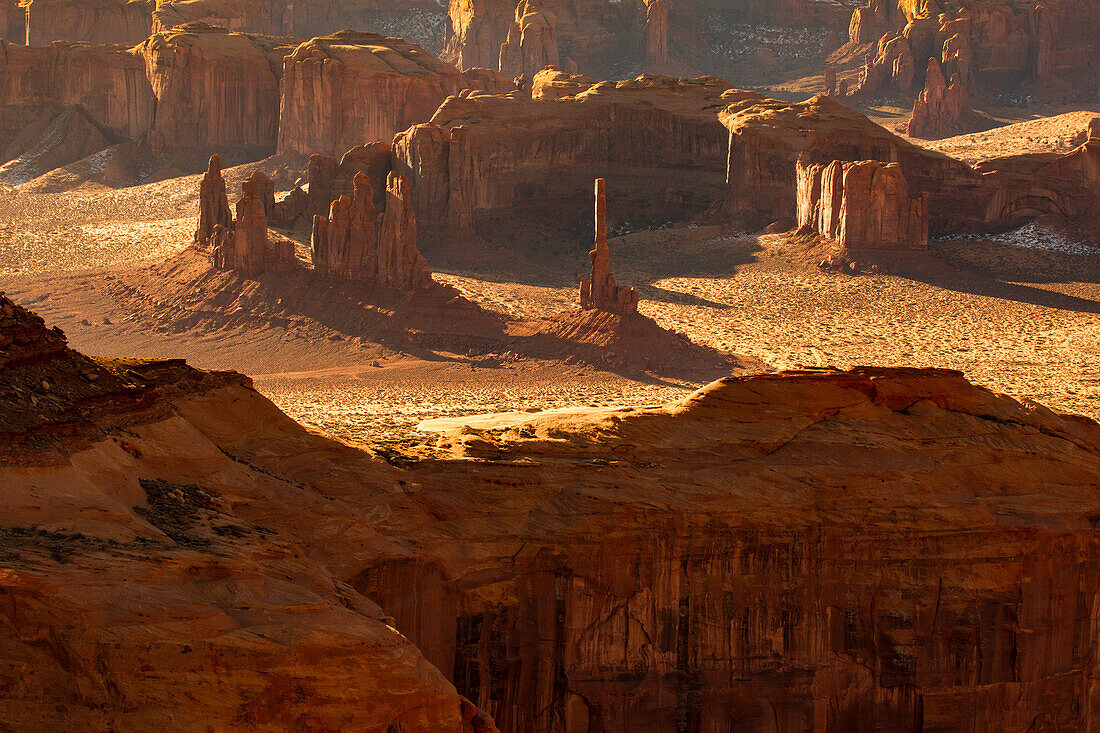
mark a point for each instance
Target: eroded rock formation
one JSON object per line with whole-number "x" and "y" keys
{"x": 400, "y": 265}
{"x": 996, "y": 47}
{"x": 863, "y": 206}
{"x": 487, "y": 156}
{"x": 942, "y": 109}
{"x": 215, "y": 90}
{"x": 552, "y": 83}
{"x": 153, "y": 572}
{"x": 352, "y": 88}
{"x": 817, "y": 548}
{"x": 600, "y": 291}
{"x": 238, "y": 239}
{"x": 768, "y": 139}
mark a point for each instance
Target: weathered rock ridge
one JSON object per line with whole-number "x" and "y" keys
{"x": 802, "y": 551}
{"x": 151, "y": 592}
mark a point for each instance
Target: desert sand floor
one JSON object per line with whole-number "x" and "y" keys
{"x": 1019, "y": 314}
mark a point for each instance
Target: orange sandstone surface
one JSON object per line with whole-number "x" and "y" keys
{"x": 804, "y": 550}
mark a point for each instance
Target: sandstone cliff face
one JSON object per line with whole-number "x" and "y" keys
{"x": 817, "y": 550}
{"x": 768, "y": 139}
{"x": 1002, "y": 46}
{"x": 864, "y": 206}
{"x": 147, "y": 594}
{"x": 106, "y": 82}
{"x": 216, "y": 91}
{"x": 485, "y": 156}
{"x": 89, "y": 21}
{"x": 13, "y": 22}
{"x": 350, "y": 88}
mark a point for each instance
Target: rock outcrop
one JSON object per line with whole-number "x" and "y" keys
{"x": 401, "y": 267}
{"x": 484, "y": 156}
{"x": 354, "y": 242}
{"x": 1091, "y": 130}
{"x": 552, "y": 83}
{"x": 942, "y": 109}
{"x": 600, "y": 291}
{"x": 215, "y": 90}
{"x": 863, "y": 206}
{"x": 152, "y": 572}
{"x": 213, "y": 202}
{"x": 89, "y": 21}
{"x": 352, "y": 88}
{"x": 238, "y": 240}
{"x": 817, "y": 548}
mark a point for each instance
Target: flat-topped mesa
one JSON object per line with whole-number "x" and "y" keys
{"x": 863, "y": 206}
{"x": 341, "y": 90}
{"x": 942, "y": 109}
{"x": 215, "y": 90}
{"x": 486, "y": 156}
{"x": 601, "y": 292}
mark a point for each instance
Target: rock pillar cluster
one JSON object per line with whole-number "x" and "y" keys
{"x": 601, "y": 292}
{"x": 354, "y": 243}
{"x": 865, "y": 205}
{"x": 942, "y": 108}
{"x": 238, "y": 242}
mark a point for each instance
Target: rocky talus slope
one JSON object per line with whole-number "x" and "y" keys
{"x": 879, "y": 549}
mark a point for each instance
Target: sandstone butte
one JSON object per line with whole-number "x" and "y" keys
{"x": 879, "y": 549}
{"x": 770, "y": 140}
{"x": 486, "y": 155}
{"x": 349, "y": 88}
{"x": 197, "y": 89}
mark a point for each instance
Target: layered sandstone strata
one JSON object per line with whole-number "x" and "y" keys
{"x": 483, "y": 157}
{"x": 600, "y": 291}
{"x": 148, "y": 593}
{"x": 215, "y": 90}
{"x": 352, "y": 88}
{"x": 88, "y": 21}
{"x": 816, "y": 548}
{"x": 862, "y": 206}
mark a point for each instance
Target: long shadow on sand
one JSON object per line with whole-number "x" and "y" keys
{"x": 978, "y": 284}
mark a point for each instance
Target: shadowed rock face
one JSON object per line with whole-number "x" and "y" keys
{"x": 483, "y": 157}
{"x": 829, "y": 550}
